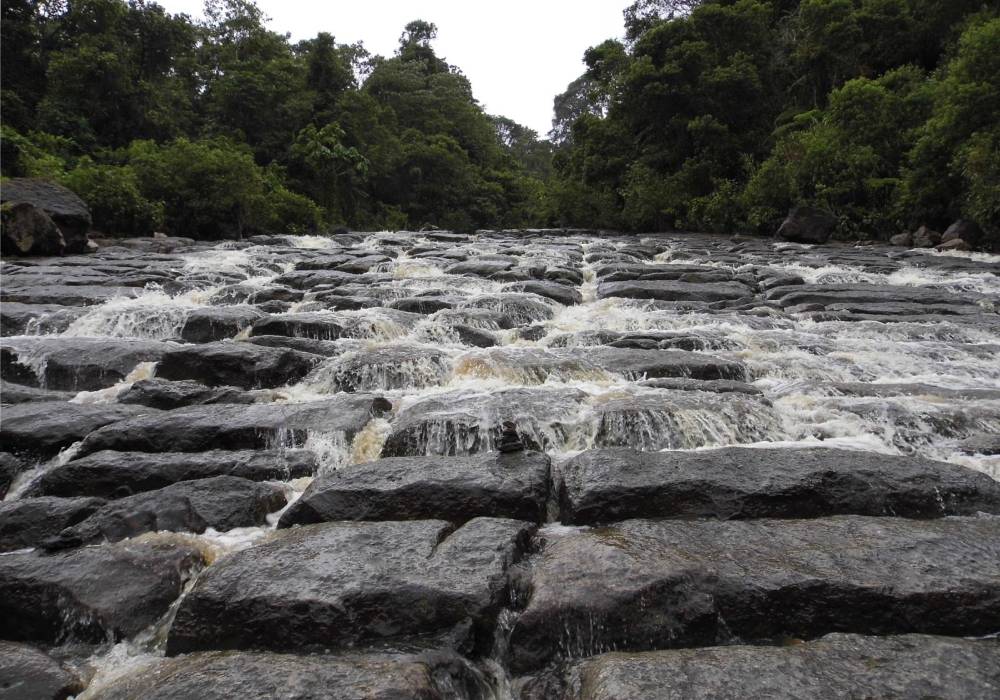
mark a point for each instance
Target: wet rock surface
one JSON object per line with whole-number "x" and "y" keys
{"x": 643, "y": 584}
{"x": 503, "y": 485}
{"x": 27, "y": 672}
{"x": 838, "y": 665}
{"x": 263, "y": 676}
{"x": 603, "y": 486}
{"x": 346, "y": 583}
{"x": 92, "y": 594}
{"x": 446, "y": 460}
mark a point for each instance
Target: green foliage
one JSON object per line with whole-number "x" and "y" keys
{"x": 232, "y": 128}
{"x": 114, "y": 198}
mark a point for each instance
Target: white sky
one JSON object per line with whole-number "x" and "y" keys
{"x": 519, "y": 54}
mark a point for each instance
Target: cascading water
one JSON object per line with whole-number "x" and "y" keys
{"x": 487, "y": 353}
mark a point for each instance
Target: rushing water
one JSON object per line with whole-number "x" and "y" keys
{"x": 812, "y": 380}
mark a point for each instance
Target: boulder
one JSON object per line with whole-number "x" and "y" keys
{"x": 323, "y": 348}
{"x": 965, "y": 230}
{"x": 220, "y": 503}
{"x": 218, "y": 323}
{"x": 10, "y": 468}
{"x": 27, "y": 230}
{"x": 347, "y": 583}
{"x": 111, "y": 474}
{"x": 42, "y": 428}
{"x": 601, "y": 486}
{"x": 904, "y": 239}
{"x": 237, "y": 427}
{"x": 79, "y": 364}
{"x": 458, "y": 489}
{"x": 642, "y": 584}
{"x": 925, "y": 237}
{"x": 28, "y": 319}
{"x": 654, "y": 364}
{"x": 27, "y": 673}
{"x": 954, "y": 244}
{"x": 165, "y": 394}
{"x": 92, "y": 594}
{"x": 807, "y": 225}
{"x": 837, "y": 665}
{"x": 565, "y": 295}
{"x": 382, "y": 368}
{"x": 265, "y": 676}
{"x": 668, "y": 290}
{"x": 19, "y": 393}
{"x": 66, "y": 294}
{"x": 27, "y": 522}
{"x": 66, "y": 209}
{"x": 243, "y": 365}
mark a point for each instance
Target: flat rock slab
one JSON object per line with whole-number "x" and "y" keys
{"x": 42, "y": 428}
{"x": 243, "y": 365}
{"x": 653, "y": 364}
{"x": 336, "y": 585}
{"x": 838, "y": 665}
{"x": 27, "y": 522}
{"x": 236, "y": 427}
{"x": 218, "y": 322}
{"x": 668, "y": 290}
{"x": 79, "y": 364}
{"x": 644, "y": 584}
{"x": 458, "y": 489}
{"x": 225, "y": 675}
{"x": 27, "y": 673}
{"x": 221, "y": 503}
{"x": 92, "y": 594}
{"x": 165, "y": 394}
{"x": 111, "y": 474}
{"x": 600, "y": 486}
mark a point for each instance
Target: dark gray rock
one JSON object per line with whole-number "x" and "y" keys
{"x": 423, "y": 305}
{"x": 718, "y": 386}
{"x": 667, "y": 290}
{"x": 27, "y": 673}
{"x": 925, "y": 237}
{"x": 981, "y": 445}
{"x": 827, "y": 294}
{"x": 242, "y": 365}
{"x": 27, "y": 230}
{"x": 19, "y": 393}
{"x": 965, "y": 230}
{"x": 79, "y": 364}
{"x": 221, "y": 503}
{"x": 561, "y": 293}
{"x": 236, "y": 427}
{"x": 218, "y": 323}
{"x": 600, "y": 486}
{"x": 266, "y": 676}
{"x": 347, "y": 583}
{"x": 513, "y": 485}
{"x": 92, "y": 594}
{"x": 166, "y": 395}
{"x": 807, "y": 225}
{"x": 111, "y": 474}
{"x": 381, "y": 368}
{"x": 481, "y": 267}
{"x": 18, "y": 319}
{"x": 27, "y": 522}
{"x": 42, "y": 428}
{"x": 654, "y": 364}
{"x": 10, "y": 468}
{"x": 66, "y": 209}
{"x": 323, "y": 348}
{"x": 838, "y": 665}
{"x": 644, "y": 584}
{"x": 904, "y": 239}
{"x": 66, "y": 295}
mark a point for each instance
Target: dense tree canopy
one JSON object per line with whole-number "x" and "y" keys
{"x": 716, "y": 115}
{"x": 722, "y": 114}
{"x": 218, "y": 127}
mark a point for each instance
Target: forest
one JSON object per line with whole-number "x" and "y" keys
{"x": 706, "y": 115}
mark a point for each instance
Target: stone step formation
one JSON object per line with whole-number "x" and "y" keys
{"x": 511, "y": 464}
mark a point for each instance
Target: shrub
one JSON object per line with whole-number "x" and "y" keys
{"x": 116, "y": 203}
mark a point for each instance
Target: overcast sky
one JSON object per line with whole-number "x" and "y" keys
{"x": 519, "y": 54}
